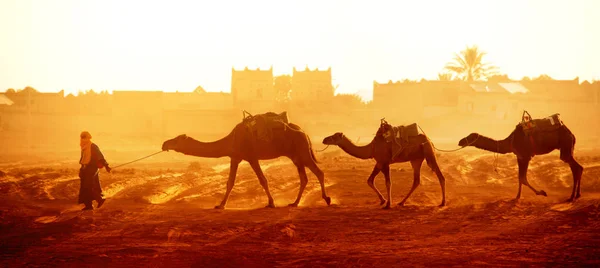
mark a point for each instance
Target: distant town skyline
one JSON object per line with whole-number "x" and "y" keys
{"x": 141, "y": 45}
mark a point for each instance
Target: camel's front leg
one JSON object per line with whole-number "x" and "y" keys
{"x": 263, "y": 181}
{"x": 370, "y": 182}
{"x": 385, "y": 169}
{"x": 233, "y": 166}
{"x": 523, "y": 166}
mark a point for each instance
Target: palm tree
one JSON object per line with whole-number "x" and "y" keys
{"x": 468, "y": 65}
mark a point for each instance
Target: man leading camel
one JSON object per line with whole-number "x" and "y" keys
{"x": 91, "y": 161}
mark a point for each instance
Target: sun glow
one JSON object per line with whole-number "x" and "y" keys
{"x": 178, "y": 45}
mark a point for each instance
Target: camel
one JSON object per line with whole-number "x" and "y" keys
{"x": 241, "y": 143}
{"x": 419, "y": 148}
{"x": 525, "y": 146}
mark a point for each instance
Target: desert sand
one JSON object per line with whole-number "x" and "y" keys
{"x": 159, "y": 213}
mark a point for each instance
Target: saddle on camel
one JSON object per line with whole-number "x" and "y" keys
{"x": 550, "y": 123}
{"x": 262, "y": 125}
{"x": 398, "y": 135}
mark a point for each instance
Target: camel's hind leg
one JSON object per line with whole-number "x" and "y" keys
{"x": 566, "y": 154}
{"x": 385, "y": 169}
{"x": 416, "y": 166}
{"x": 321, "y": 177}
{"x": 577, "y": 171}
{"x": 263, "y": 181}
{"x": 523, "y": 166}
{"x": 233, "y": 166}
{"x": 432, "y": 163}
{"x": 370, "y": 182}
{"x": 303, "y": 182}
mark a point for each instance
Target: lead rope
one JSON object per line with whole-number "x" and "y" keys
{"x": 449, "y": 151}
{"x": 131, "y": 161}
{"x": 323, "y": 149}
{"x": 137, "y": 159}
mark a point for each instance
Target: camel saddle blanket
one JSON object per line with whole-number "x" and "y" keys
{"x": 399, "y": 135}
{"x": 262, "y": 125}
{"x": 549, "y": 123}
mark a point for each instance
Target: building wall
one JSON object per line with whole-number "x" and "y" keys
{"x": 492, "y": 105}
{"x": 253, "y": 89}
{"x": 138, "y": 111}
{"x": 311, "y": 86}
{"x": 398, "y": 101}
{"x": 197, "y": 101}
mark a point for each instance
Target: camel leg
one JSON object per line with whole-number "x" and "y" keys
{"x": 370, "y": 182}
{"x": 303, "y": 182}
{"x": 233, "y": 166}
{"x": 385, "y": 169}
{"x": 432, "y": 163}
{"x": 577, "y": 171}
{"x": 566, "y": 155}
{"x": 321, "y": 177}
{"x": 578, "y": 194}
{"x": 263, "y": 181}
{"x": 523, "y": 166}
{"x": 416, "y": 166}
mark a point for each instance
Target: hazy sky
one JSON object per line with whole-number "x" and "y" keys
{"x": 178, "y": 45}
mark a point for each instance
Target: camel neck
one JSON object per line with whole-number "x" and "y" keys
{"x": 362, "y": 152}
{"x": 214, "y": 149}
{"x": 492, "y": 145}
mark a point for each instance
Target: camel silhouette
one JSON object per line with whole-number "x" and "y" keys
{"x": 286, "y": 139}
{"x": 535, "y": 142}
{"x": 417, "y": 149}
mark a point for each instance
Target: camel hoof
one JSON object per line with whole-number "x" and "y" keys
{"x": 443, "y": 204}
{"x": 401, "y": 204}
{"x": 571, "y": 199}
{"x": 328, "y": 200}
{"x": 219, "y": 207}
{"x": 270, "y": 206}
{"x": 577, "y": 196}
{"x": 293, "y": 205}
{"x": 542, "y": 192}
{"x": 387, "y": 206}
{"x": 382, "y": 202}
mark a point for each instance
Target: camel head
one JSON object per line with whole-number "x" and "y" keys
{"x": 468, "y": 140}
{"x": 334, "y": 139}
{"x": 175, "y": 143}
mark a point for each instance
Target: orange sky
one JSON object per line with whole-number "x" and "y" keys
{"x": 178, "y": 45}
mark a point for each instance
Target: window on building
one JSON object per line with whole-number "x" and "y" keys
{"x": 469, "y": 107}
{"x": 259, "y": 93}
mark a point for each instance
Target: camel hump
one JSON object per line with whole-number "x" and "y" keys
{"x": 550, "y": 123}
